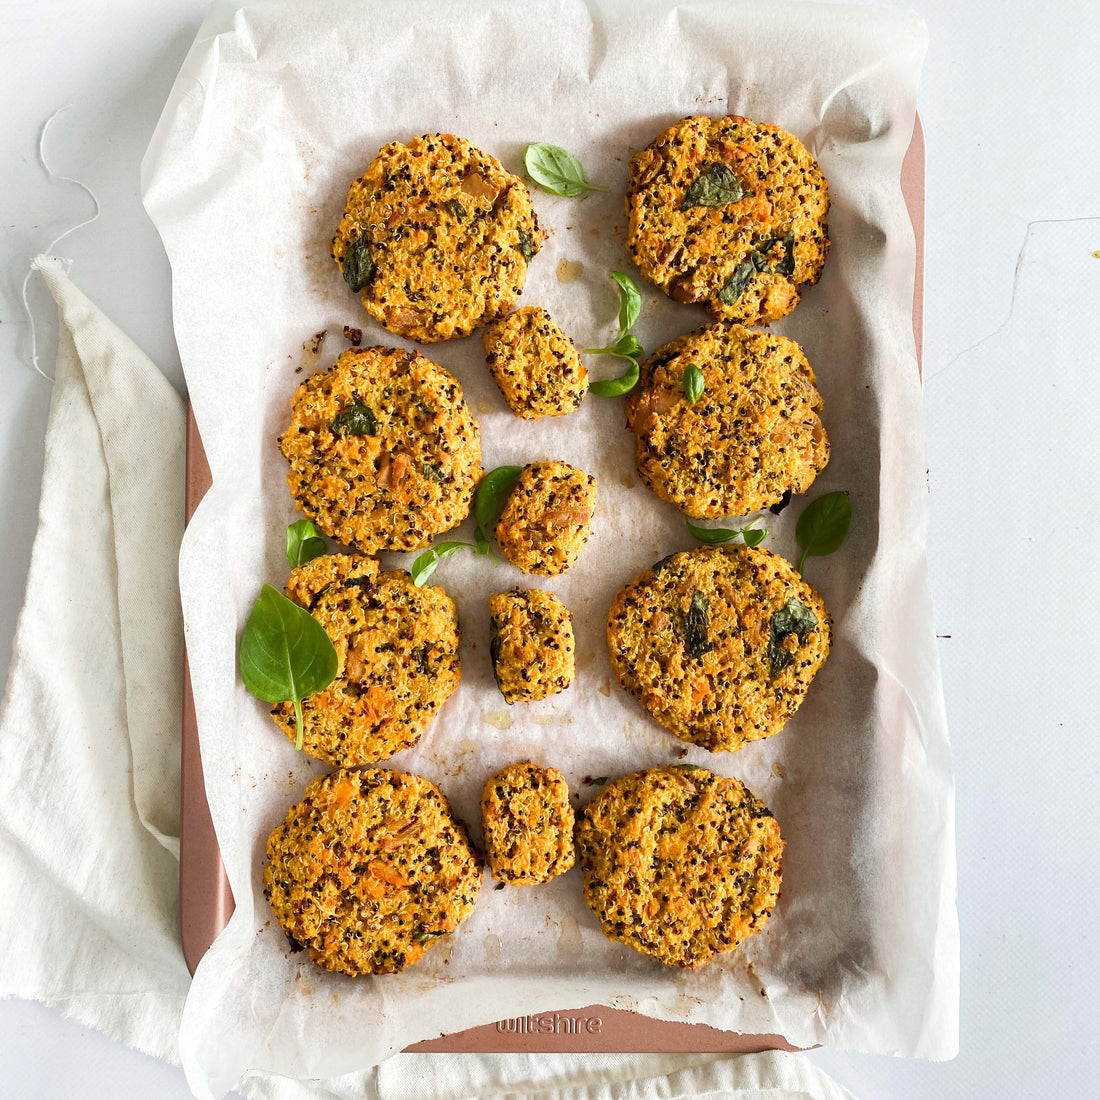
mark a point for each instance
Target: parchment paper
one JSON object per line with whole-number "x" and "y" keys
{"x": 276, "y": 109}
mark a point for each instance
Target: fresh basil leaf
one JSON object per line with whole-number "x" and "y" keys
{"x": 794, "y": 617}
{"x": 492, "y": 490}
{"x": 823, "y": 526}
{"x": 481, "y": 543}
{"x": 714, "y": 536}
{"x": 697, "y": 626}
{"x": 626, "y": 347}
{"x": 526, "y": 245}
{"x": 303, "y": 543}
{"x": 714, "y": 186}
{"x": 711, "y": 536}
{"x": 616, "y": 387}
{"x": 736, "y": 283}
{"x": 358, "y": 264}
{"x": 754, "y": 536}
{"x": 356, "y": 419}
{"x": 693, "y": 383}
{"x": 456, "y": 209}
{"x": 285, "y": 654}
{"x": 630, "y": 301}
{"x": 556, "y": 170}
{"x": 425, "y": 565}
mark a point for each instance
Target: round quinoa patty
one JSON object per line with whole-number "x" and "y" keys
{"x": 398, "y": 647}
{"x": 436, "y": 238}
{"x": 384, "y": 453}
{"x": 752, "y": 437}
{"x": 719, "y": 644}
{"x": 528, "y": 824}
{"x": 369, "y": 870}
{"x": 679, "y": 863}
{"x": 729, "y": 213}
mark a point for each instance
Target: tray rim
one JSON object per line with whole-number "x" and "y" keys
{"x": 206, "y": 901}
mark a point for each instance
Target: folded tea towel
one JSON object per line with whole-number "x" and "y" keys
{"x": 89, "y": 727}
{"x": 89, "y": 763}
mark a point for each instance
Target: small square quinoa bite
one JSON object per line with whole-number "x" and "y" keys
{"x": 532, "y": 644}
{"x": 547, "y": 518}
{"x": 528, "y": 824}
{"x": 535, "y": 364}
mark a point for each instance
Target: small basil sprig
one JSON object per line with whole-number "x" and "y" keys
{"x": 556, "y": 170}
{"x": 303, "y": 543}
{"x": 693, "y": 383}
{"x": 823, "y": 526}
{"x": 630, "y": 301}
{"x": 425, "y": 564}
{"x": 492, "y": 490}
{"x": 285, "y": 654}
{"x": 617, "y": 387}
{"x": 626, "y": 346}
{"x": 714, "y": 536}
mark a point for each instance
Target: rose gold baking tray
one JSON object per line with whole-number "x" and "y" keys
{"x": 206, "y": 901}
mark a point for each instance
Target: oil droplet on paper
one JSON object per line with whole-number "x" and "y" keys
{"x": 485, "y": 406}
{"x": 569, "y": 942}
{"x": 492, "y": 948}
{"x": 778, "y": 770}
{"x": 499, "y": 719}
{"x": 569, "y": 271}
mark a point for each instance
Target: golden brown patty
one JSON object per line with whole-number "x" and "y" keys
{"x": 398, "y": 646}
{"x": 679, "y": 864}
{"x": 312, "y": 578}
{"x": 531, "y": 644}
{"x": 719, "y": 645}
{"x": 547, "y": 518}
{"x": 528, "y": 824}
{"x": 384, "y": 453}
{"x": 369, "y": 870}
{"x": 753, "y": 436}
{"x": 436, "y": 237}
{"x": 535, "y": 364}
{"x": 730, "y": 213}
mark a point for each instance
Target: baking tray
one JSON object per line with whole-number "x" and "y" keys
{"x": 206, "y": 901}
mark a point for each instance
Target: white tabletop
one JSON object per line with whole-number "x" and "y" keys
{"x": 1009, "y": 102}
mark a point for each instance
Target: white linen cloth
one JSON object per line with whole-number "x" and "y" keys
{"x": 89, "y": 730}
{"x": 89, "y": 763}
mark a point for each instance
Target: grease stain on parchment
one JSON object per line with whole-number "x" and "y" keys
{"x": 569, "y": 271}
{"x": 570, "y": 943}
